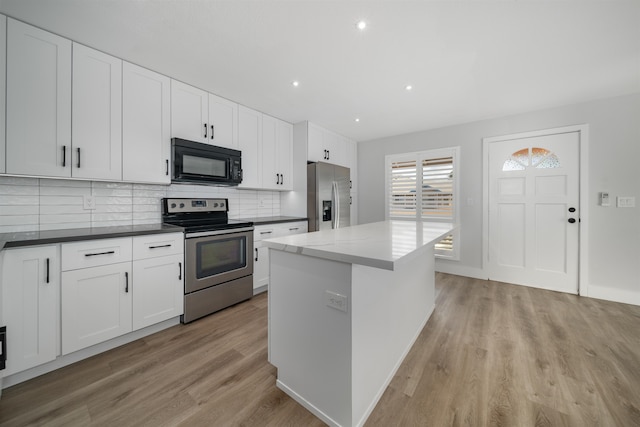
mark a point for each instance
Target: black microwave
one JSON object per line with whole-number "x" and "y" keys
{"x": 203, "y": 163}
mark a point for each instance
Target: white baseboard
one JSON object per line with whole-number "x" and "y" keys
{"x": 460, "y": 270}
{"x": 85, "y": 353}
{"x": 613, "y": 294}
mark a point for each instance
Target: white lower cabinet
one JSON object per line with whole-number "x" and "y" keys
{"x": 261, "y": 252}
{"x": 111, "y": 287}
{"x": 157, "y": 290}
{"x": 96, "y": 305}
{"x": 30, "y": 306}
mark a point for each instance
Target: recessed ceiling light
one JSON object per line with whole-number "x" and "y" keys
{"x": 357, "y": 119}
{"x": 295, "y": 83}
{"x": 361, "y": 25}
{"x": 408, "y": 87}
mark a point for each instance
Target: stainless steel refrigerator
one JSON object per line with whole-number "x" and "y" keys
{"x": 328, "y": 196}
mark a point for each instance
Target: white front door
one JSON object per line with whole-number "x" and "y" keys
{"x": 533, "y": 210}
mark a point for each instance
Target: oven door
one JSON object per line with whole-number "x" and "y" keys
{"x": 216, "y": 259}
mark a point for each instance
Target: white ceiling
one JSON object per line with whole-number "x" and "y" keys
{"x": 467, "y": 60}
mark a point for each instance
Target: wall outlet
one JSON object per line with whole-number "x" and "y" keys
{"x": 336, "y": 300}
{"x": 262, "y": 202}
{"x": 89, "y": 202}
{"x": 626, "y": 202}
{"x": 604, "y": 198}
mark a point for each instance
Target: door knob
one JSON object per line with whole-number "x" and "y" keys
{"x": 572, "y": 209}
{"x": 572, "y": 220}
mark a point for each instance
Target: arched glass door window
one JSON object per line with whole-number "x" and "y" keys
{"x": 534, "y": 157}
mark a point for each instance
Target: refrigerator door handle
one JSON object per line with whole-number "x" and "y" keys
{"x": 336, "y": 205}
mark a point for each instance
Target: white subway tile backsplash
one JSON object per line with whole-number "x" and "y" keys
{"x": 31, "y": 204}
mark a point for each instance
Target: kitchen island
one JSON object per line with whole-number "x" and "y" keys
{"x": 345, "y": 307}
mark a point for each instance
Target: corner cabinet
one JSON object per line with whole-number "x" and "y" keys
{"x": 200, "y": 116}
{"x": 146, "y": 125}
{"x": 38, "y": 102}
{"x": 30, "y": 306}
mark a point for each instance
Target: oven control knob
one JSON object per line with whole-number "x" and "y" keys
{"x": 215, "y": 205}
{"x": 222, "y": 204}
{"x": 173, "y": 205}
{"x": 182, "y": 205}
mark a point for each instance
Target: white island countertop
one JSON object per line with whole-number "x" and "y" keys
{"x": 379, "y": 244}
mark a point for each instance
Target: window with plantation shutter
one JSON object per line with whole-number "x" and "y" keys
{"x": 422, "y": 186}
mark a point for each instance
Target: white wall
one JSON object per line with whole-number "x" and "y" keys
{"x": 33, "y": 204}
{"x": 614, "y": 166}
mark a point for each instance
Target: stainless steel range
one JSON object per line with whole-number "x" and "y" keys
{"x": 218, "y": 251}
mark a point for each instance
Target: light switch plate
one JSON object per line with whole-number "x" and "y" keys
{"x": 626, "y": 202}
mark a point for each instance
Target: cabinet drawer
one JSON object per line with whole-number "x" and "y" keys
{"x": 264, "y": 232}
{"x": 93, "y": 253}
{"x": 155, "y": 245}
{"x": 295, "y": 227}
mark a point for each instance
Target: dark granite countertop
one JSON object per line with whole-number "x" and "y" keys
{"x": 273, "y": 219}
{"x": 33, "y": 238}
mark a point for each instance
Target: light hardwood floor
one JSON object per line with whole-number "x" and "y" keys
{"x": 491, "y": 354}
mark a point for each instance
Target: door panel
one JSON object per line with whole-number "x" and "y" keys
{"x": 532, "y": 184}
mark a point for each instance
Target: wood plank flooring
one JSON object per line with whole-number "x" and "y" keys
{"x": 492, "y": 354}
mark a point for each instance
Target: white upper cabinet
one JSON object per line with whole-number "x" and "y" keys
{"x": 284, "y": 154}
{"x": 250, "y": 143}
{"x": 199, "y": 116}
{"x": 97, "y": 115}
{"x": 189, "y": 112}
{"x": 223, "y": 122}
{"x": 146, "y": 125}
{"x": 3, "y": 82}
{"x": 325, "y": 146}
{"x": 38, "y": 127}
{"x": 269, "y": 159}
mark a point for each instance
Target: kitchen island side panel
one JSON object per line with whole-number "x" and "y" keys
{"x": 389, "y": 310}
{"x": 310, "y": 342}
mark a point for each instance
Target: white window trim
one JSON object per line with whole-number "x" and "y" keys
{"x": 417, "y": 155}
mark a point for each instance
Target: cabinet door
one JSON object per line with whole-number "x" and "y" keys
{"x": 317, "y": 152}
{"x": 96, "y": 305}
{"x": 284, "y": 149}
{"x": 30, "y": 306}
{"x": 189, "y": 112}
{"x": 269, "y": 158}
{"x": 146, "y": 125}
{"x": 3, "y": 86}
{"x": 96, "y": 131}
{"x": 38, "y": 102}
{"x": 158, "y": 290}
{"x": 223, "y": 122}
{"x": 260, "y": 265}
{"x": 250, "y": 142}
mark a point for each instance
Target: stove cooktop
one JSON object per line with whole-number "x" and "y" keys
{"x": 200, "y": 214}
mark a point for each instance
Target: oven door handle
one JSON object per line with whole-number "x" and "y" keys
{"x": 218, "y": 232}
